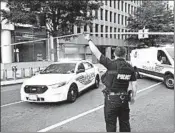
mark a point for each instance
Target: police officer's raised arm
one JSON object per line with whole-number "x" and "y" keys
{"x": 103, "y": 60}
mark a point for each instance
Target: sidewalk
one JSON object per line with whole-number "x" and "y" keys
{"x": 19, "y": 81}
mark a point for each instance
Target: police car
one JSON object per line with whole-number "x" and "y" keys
{"x": 155, "y": 62}
{"x": 60, "y": 81}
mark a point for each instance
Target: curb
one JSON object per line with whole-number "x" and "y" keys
{"x": 12, "y": 82}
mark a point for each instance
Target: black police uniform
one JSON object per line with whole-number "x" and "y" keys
{"x": 116, "y": 80}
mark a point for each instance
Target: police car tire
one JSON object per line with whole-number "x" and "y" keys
{"x": 72, "y": 94}
{"x": 97, "y": 82}
{"x": 166, "y": 78}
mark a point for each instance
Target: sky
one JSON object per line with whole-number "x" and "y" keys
{"x": 171, "y": 3}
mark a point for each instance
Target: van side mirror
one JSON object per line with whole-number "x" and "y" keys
{"x": 80, "y": 71}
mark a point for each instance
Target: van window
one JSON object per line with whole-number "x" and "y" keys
{"x": 161, "y": 57}
{"x": 170, "y": 52}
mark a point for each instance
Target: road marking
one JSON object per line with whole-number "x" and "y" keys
{"x": 70, "y": 119}
{"x": 148, "y": 87}
{"x": 11, "y": 104}
{"x": 85, "y": 113}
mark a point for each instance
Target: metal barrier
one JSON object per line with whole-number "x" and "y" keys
{"x": 19, "y": 74}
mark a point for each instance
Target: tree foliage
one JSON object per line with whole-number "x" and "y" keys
{"x": 59, "y": 16}
{"x": 155, "y": 16}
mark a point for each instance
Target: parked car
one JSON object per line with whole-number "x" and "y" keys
{"x": 60, "y": 81}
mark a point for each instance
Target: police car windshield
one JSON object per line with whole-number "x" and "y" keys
{"x": 171, "y": 52}
{"x": 63, "y": 68}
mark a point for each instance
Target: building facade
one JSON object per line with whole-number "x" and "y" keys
{"x": 111, "y": 17}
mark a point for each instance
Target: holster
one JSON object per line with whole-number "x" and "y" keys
{"x": 105, "y": 92}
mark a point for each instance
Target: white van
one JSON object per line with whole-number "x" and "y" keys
{"x": 155, "y": 62}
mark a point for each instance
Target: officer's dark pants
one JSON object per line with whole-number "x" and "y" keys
{"x": 114, "y": 108}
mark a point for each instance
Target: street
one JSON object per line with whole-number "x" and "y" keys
{"x": 153, "y": 111}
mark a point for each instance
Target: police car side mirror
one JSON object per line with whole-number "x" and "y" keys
{"x": 80, "y": 71}
{"x": 39, "y": 72}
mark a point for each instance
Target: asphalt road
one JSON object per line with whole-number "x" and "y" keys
{"x": 153, "y": 111}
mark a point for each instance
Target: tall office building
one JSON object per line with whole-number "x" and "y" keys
{"x": 111, "y": 17}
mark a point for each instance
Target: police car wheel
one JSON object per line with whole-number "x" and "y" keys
{"x": 72, "y": 94}
{"x": 169, "y": 81}
{"x": 97, "y": 82}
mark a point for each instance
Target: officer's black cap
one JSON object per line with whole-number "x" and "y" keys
{"x": 120, "y": 51}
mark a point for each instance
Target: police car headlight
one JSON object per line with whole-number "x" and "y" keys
{"x": 55, "y": 86}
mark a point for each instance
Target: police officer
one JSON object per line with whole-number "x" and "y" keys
{"x": 117, "y": 78}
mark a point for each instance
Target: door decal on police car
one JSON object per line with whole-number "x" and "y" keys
{"x": 86, "y": 79}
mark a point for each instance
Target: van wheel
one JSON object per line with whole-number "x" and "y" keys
{"x": 169, "y": 81}
{"x": 72, "y": 94}
{"x": 97, "y": 82}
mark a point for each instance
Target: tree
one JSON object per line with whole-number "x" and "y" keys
{"x": 59, "y": 16}
{"x": 155, "y": 16}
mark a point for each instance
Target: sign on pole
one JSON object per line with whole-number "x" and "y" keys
{"x": 143, "y": 33}
{"x": 140, "y": 35}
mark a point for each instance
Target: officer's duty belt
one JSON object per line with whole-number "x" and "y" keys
{"x": 118, "y": 93}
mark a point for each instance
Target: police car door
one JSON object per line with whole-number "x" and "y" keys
{"x": 90, "y": 74}
{"x": 81, "y": 77}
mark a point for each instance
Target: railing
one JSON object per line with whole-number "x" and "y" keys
{"x": 22, "y": 73}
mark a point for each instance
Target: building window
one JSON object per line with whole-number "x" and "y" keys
{"x": 126, "y": 7}
{"x": 78, "y": 29}
{"x": 115, "y": 17}
{"x": 85, "y": 27}
{"x": 125, "y": 20}
{"x": 96, "y": 14}
{"x": 114, "y": 3}
{"x": 115, "y": 30}
{"x": 110, "y": 32}
{"x": 129, "y": 8}
{"x": 118, "y": 18}
{"x": 118, "y": 4}
{"x": 96, "y": 28}
{"x": 110, "y": 16}
{"x": 106, "y": 2}
{"x": 106, "y": 15}
{"x": 106, "y": 31}
{"x": 122, "y": 19}
{"x": 91, "y": 13}
{"x": 118, "y": 32}
{"x": 126, "y": 34}
{"x": 122, "y": 34}
{"x": 101, "y": 14}
{"x": 101, "y": 30}
{"x": 110, "y": 3}
{"x": 91, "y": 29}
{"x": 122, "y": 5}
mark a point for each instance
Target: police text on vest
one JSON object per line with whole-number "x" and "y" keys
{"x": 123, "y": 76}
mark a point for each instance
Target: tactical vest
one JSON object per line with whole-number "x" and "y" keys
{"x": 117, "y": 78}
